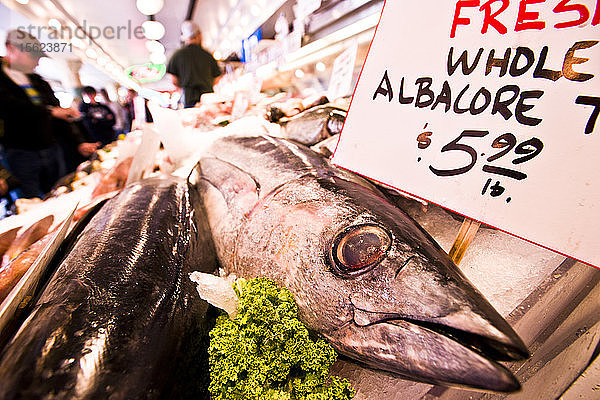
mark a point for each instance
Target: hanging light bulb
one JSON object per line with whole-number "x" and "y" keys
{"x": 55, "y": 24}
{"x": 75, "y": 41}
{"x": 158, "y": 58}
{"x": 150, "y": 7}
{"x": 153, "y": 30}
{"x": 91, "y": 53}
{"x": 154, "y": 46}
{"x": 112, "y": 67}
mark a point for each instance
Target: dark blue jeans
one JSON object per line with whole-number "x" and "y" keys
{"x": 37, "y": 170}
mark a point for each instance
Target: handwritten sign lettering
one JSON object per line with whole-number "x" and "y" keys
{"x": 490, "y": 109}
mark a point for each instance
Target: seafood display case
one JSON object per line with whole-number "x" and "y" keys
{"x": 277, "y": 209}
{"x": 244, "y": 192}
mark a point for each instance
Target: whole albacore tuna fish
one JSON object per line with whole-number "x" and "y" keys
{"x": 115, "y": 315}
{"x": 362, "y": 272}
{"x": 313, "y": 125}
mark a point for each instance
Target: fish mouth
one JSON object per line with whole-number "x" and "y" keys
{"x": 485, "y": 346}
{"x": 432, "y": 352}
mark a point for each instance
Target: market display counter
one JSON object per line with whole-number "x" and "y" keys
{"x": 550, "y": 301}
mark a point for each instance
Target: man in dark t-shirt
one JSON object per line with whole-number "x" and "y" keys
{"x": 193, "y": 69}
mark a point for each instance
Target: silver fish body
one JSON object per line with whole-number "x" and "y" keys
{"x": 114, "y": 317}
{"x": 363, "y": 273}
{"x": 314, "y": 125}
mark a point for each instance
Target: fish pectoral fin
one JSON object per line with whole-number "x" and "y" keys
{"x": 218, "y": 291}
{"x": 238, "y": 188}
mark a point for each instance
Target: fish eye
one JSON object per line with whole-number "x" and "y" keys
{"x": 360, "y": 248}
{"x": 335, "y": 121}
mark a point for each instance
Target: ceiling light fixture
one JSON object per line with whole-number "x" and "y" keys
{"x": 158, "y": 58}
{"x": 91, "y": 53}
{"x": 54, "y": 23}
{"x": 153, "y": 30}
{"x": 150, "y": 7}
{"x": 75, "y": 41}
{"x": 154, "y": 46}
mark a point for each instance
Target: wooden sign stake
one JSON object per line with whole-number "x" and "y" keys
{"x": 466, "y": 234}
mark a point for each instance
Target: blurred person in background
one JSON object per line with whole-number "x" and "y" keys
{"x": 98, "y": 118}
{"x": 118, "y": 110}
{"x": 72, "y": 156}
{"x": 31, "y": 117}
{"x": 8, "y": 183}
{"x": 128, "y": 106}
{"x": 192, "y": 68}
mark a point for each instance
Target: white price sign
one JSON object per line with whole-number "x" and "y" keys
{"x": 488, "y": 108}
{"x": 340, "y": 83}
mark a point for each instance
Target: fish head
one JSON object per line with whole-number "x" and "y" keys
{"x": 335, "y": 121}
{"x": 314, "y": 125}
{"x": 363, "y": 274}
{"x": 377, "y": 286}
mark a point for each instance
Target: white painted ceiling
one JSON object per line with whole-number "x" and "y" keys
{"x": 123, "y": 13}
{"x": 224, "y": 23}
{"x": 128, "y": 49}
